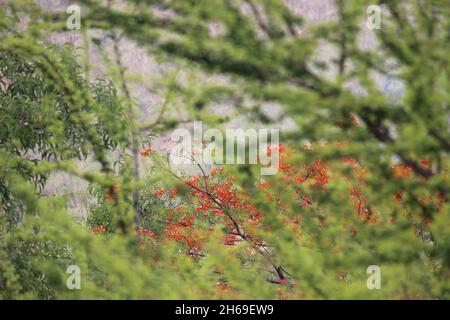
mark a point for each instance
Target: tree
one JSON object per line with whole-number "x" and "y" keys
{"x": 363, "y": 177}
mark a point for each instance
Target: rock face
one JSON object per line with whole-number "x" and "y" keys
{"x": 138, "y": 63}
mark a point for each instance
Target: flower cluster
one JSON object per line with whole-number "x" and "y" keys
{"x": 401, "y": 171}
{"x": 112, "y": 191}
{"x": 215, "y": 199}
{"x": 98, "y": 230}
{"x": 147, "y": 233}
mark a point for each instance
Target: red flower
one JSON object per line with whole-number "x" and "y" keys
{"x": 97, "y": 230}
{"x": 145, "y": 152}
{"x": 398, "y": 197}
{"x": 147, "y": 233}
{"x": 159, "y": 193}
{"x": 426, "y": 164}
{"x": 279, "y": 148}
{"x": 401, "y": 171}
{"x": 111, "y": 191}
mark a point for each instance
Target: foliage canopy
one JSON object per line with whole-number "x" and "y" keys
{"x": 363, "y": 177}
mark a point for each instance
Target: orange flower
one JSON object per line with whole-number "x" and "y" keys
{"x": 159, "y": 193}
{"x": 110, "y": 191}
{"x": 426, "y": 164}
{"x": 401, "y": 171}
{"x": 145, "y": 152}
{"x": 97, "y": 230}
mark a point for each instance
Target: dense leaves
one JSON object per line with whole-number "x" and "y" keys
{"x": 363, "y": 176}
